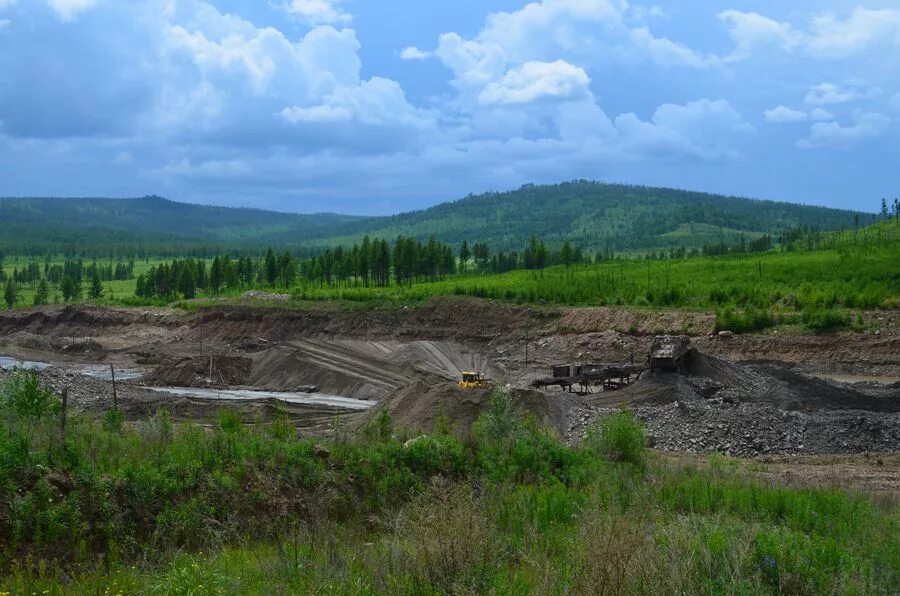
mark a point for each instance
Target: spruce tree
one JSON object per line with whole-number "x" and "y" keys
{"x": 11, "y": 293}
{"x": 96, "y": 290}
{"x": 271, "y": 268}
{"x": 69, "y": 289}
{"x": 42, "y": 294}
{"x": 187, "y": 284}
{"x": 464, "y": 256}
{"x": 216, "y": 276}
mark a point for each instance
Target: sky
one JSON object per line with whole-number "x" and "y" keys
{"x": 365, "y": 107}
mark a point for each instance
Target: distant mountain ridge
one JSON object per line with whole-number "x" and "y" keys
{"x": 591, "y": 215}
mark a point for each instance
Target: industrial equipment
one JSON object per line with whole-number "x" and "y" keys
{"x": 474, "y": 380}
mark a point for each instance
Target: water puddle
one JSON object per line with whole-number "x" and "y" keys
{"x": 859, "y": 378}
{"x": 315, "y": 399}
{"x": 95, "y": 371}
{"x": 103, "y": 373}
{"x": 7, "y": 363}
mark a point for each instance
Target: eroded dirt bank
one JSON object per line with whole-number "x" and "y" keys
{"x": 408, "y": 360}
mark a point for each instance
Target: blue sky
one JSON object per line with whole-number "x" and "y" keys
{"x": 378, "y": 107}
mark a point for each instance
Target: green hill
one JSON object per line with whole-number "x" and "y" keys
{"x": 592, "y": 215}
{"x": 36, "y": 225}
{"x": 597, "y": 215}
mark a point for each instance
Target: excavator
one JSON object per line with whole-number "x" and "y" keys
{"x": 474, "y": 380}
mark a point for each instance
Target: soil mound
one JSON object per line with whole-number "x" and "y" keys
{"x": 332, "y": 367}
{"x": 200, "y": 371}
{"x": 419, "y": 405}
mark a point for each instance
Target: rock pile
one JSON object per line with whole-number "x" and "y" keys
{"x": 752, "y": 429}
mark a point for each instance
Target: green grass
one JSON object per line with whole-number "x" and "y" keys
{"x": 854, "y": 275}
{"x": 817, "y": 288}
{"x": 175, "y": 509}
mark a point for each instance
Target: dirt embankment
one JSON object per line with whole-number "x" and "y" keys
{"x": 200, "y": 371}
{"x": 417, "y": 407}
{"x": 410, "y": 358}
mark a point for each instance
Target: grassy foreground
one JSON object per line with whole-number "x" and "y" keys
{"x": 166, "y": 509}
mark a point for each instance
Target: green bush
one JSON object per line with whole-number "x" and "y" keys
{"x": 501, "y": 424}
{"x": 113, "y": 420}
{"x": 619, "y": 438}
{"x": 824, "y": 319}
{"x": 23, "y": 396}
{"x": 752, "y": 319}
{"x": 230, "y": 421}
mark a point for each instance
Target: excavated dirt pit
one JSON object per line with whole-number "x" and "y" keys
{"x": 745, "y": 395}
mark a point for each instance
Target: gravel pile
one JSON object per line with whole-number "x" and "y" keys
{"x": 752, "y": 429}
{"x": 85, "y": 392}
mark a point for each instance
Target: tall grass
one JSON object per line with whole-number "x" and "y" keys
{"x": 175, "y": 509}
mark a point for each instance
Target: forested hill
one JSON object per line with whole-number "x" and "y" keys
{"x": 35, "y": 225}
{"x": 597, "y": 215}
{"x": 589, "y": 214}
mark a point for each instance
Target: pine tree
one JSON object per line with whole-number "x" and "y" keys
{"x": 271, "y": 267}
{"x": 69, "y": 289}
{"x": 187, "y": 284}
{"x": 216, "y": 276}
{"x": 464, "y": 255}
{"x": 96, "y": 290}
{"x": 565, "y": 254}
{"x": 11, "y": 293}
{"x": 42, "y": 294}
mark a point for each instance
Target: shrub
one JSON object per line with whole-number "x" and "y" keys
{"x": 188, "y": 577}
{"x": 113, "y": 420}
{"x": 230, "y": 421}
{"x": 752, "y": 319}
{"x": 619, "y": 438}
{"x": 824, "y": 319}
{"x": 379, "y": 428}
{"x": 24, "y": 396}
{"x": 501, "y": 424}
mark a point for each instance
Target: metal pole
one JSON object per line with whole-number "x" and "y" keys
{"x": 526, "y": 349}
{"x": 62, "y": 416}
{"x": 112, "y": 370}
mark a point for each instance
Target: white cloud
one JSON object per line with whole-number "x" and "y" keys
{"x": 414, "y": 53}
{"x": 4, "y": 23}
{"x": 833, "y": 37}
{"x": 702, "y": 129}
{"x": 644, "y": 13}
{"x": 70, "y": 9}
{"x": 830, "y": 94}
{"x": 665, "y": 52}
{"x": 586, "y": 33}
{"x": 318, "y": 12}
{"x": 536, "y": 80}
{"x": 828, "y": 36}
{"x": 820, "y": 114}
{"x": 750, "y": 30}
{"x": 376, "y": 102}
{"x": 866, "y": 125}
{"x": 6, "y": 3}
{"x": 320, "y": 113}
{"x": 784, "y": 114}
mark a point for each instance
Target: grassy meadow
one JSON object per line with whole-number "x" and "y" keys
{"x": 508, "y": 508}
{"x": 820, "y": 289}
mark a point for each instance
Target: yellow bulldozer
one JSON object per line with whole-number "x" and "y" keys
{"x": 474, "y": 380}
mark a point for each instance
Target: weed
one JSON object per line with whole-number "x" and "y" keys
{"x": 113, "y": 420}
{"x": 619, "y": 438}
